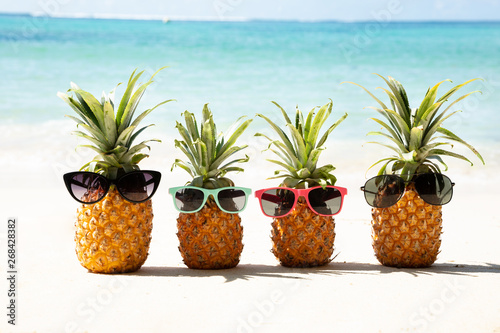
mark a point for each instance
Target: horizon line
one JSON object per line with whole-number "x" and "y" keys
{"x": 168, "y": 18}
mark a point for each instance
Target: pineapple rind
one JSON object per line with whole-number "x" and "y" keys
{"x": 113, "y": 235}
{"x": 407, "y": 234}
{"x": 210, "y": 238}
{"x": 303, "y": 238}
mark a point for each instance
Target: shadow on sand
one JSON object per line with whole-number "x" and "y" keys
{"x": 249, "y": 271}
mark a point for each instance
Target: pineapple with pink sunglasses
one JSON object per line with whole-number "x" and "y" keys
{"x": 303, "y": 206}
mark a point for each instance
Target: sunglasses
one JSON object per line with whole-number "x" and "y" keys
{"x": 386, "y": 190}
{"x": 280, "y": 201}
{"x": 190, "y": 199}
{"x": 89, "y": 187}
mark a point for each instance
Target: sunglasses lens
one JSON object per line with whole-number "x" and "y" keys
{"x": 277, "y": 202}
{"x": 325, "y": 201}
{"x": 189, "y": 199}
{"x": 384, "y": 191}
{"x": 435, "y": 189}
{"x": 232, "y": 200}
{"x": 137, "y": 186}
{"x": 88, "y": 187}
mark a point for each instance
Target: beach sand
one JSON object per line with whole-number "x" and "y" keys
{"x": 354, "y": 293}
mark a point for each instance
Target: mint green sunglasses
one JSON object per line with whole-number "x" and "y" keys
{"x": 191, "y": 199}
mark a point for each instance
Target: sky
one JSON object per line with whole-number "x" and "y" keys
{"x": 313, "y": 10}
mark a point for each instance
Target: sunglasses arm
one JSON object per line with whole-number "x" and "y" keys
{"x": 362, "y": 188}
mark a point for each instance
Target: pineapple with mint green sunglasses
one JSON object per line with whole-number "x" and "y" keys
{"x": 191, "y": 199}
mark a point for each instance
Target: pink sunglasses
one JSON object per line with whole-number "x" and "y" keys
{"x": 280, "y": 201}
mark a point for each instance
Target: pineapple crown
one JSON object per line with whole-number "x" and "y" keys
{"x": 415, "y": 133}
{"x": 300, "y": 152}
{"x": 207, "y": 150}
{"x": 111, "y": 135}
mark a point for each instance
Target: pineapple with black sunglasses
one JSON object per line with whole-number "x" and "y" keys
{"x": 114, "y": 221}
{"x": 409, "y": 190}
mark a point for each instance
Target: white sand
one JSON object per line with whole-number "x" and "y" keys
{"x": 459, "y": 293}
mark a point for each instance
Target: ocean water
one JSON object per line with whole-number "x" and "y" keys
{"x": 240, "y": 67}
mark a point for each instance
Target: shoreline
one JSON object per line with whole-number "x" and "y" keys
{"x": 49, "y": 150}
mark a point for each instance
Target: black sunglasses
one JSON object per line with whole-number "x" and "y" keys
{"x": 89, "y": 187}
{"x": 386, "y": 190}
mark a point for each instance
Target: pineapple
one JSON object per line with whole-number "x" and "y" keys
{"x": 302, "y": 238}
{"x": 407, "y": 234}
{"x": 209, "y": 238}
{"x": 112, "y": 235}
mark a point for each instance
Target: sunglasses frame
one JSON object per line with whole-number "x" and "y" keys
{"x": 210, "y": 192}
{"x": 156, "y": 182}
{"x": 301, "y": 193}
{"x": 406, "y": 182}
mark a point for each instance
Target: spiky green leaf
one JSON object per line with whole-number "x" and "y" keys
{"x": 322, "y": 141}
{"x": 284, "y": 138}
{"x": 451, "y": 136}
{"x": 232, "y": 139}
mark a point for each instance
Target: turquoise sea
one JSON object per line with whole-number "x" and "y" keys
{"x": 239, "y": 67}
